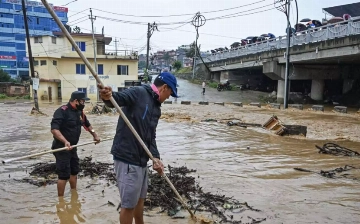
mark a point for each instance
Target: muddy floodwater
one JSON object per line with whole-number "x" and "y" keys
{"x": 252, "y": 165}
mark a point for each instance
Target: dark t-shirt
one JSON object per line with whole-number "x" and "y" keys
{"x": 68, "y": 121}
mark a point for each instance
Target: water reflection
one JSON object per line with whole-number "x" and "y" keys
{"x": 69, "y": 213}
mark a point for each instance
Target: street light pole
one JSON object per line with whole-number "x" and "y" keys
{"x": 286, "y": 89}
{"x": 31, "y": 60}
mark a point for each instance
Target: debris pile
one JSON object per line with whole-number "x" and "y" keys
{"x": 101, "y": 109}
{"x": 160, "y": 194}
{"x": 336, "y": 150}
{"x": 45, "y": 173}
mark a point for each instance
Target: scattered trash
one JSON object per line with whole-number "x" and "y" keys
{"x": 159, "y": 192}
{"x": 274, "y": 124}
{"x": 332, "y": 173}
{"x": 336, "y": 150}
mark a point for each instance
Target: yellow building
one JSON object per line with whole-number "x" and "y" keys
{"x": 61, "y": 71}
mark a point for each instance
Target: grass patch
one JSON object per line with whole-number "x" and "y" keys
{"x": 212, "y": 84}
{"x": 4, "y": 96}
{"x": 26, "y": 97}
{"x": 185, "y": 70}
{"x": 266, "y": 99}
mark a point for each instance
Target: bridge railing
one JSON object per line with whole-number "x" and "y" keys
{"x": 331, "y": 31}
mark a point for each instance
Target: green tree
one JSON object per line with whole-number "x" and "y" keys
{"x": 142, "y": 64}
{"x": 191, "y": 53}
{"x": 177, "y": 65}
{"x": 76, "y": 29}
{"x": 4, "y": 76}
{"x": 166, "y": 58}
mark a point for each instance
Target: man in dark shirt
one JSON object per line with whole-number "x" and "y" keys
{"x": 141, "y": 105}
{"x": 66, "y": 129}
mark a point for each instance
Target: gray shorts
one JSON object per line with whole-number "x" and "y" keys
{"x": 132, "y": 183}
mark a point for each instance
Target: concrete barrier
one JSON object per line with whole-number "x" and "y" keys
{"x": 239, "y": 104}
{"x": 275, "y": 105}
{"x": 318, "y": 108}
{"x": 204, "y": 103}
{"x": 186, "y": 102}
{"x": 10, "y": 102}
{"x": 296, "y": 106}
{"x": 255, "y": 104}
{"x": 168, "y": 102}
{"x": 340, "y": 109}
{"x": 220, "y": 103}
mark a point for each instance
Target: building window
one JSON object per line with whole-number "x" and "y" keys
{"x": 53, "y": 40}
{"x": 81, "y": 45}
{"x": 36, "y": 63}
{"x": 80, "y": 69}
{"x": 38, "y": 40}
{"x": 123, "y": 70}
{"x": 42, "y": 62}
{"x": 38, "y": 20}
{"x": 54, "y": 63}
{"x": 83, "y": 90}
{"x": 100, "y": 69}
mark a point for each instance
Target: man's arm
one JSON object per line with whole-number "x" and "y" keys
{"x": 124, "y": 98}
{"x": 153, "y": 149}
{"x": 89, "y": 128}
{"x": 157, "y": 164}
{"x": 56, "y": 123}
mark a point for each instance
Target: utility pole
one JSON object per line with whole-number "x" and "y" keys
{"x": 116, "y": 41}
{"x": 94, "y": 46}
{"x": 194, "y": 62}
{"x": 286, "y": 89}
{"x": 150, "y": 31}
{"x": 198, "y": 21}
{"x": 31, "y": 60}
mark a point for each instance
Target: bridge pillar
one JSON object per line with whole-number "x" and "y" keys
{"x": 317, "y": 89}
{"x": 280, "y": 91}
{"x": 224, "y": 75}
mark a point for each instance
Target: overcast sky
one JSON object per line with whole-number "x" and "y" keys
{"x": 215, "y": 33}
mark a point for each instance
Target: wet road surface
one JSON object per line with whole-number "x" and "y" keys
{"x": 247, "y": 164}
{"x": 193, "y": 92}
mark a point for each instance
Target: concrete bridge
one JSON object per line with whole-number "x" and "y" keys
{"x": 324, "y": 53}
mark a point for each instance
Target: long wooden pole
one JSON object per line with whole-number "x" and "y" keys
{"x": 112, "y": 100}
{"x": 50, "y": 151}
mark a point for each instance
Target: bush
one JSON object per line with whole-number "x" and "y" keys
{"x": 3, "y": 96}
{"x": 213, "y": 84}
{"x": 27, "y": 97}
{"x": 266, "y": 99}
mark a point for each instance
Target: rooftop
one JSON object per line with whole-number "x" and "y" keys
{"x": 100, "y": 37}
{"x": 339, "y": 11}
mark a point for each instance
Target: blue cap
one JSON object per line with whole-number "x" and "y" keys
{"x": 170, "y": 80}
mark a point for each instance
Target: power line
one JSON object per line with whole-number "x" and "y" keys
{"x": 226, "y": 17}
{"x": 140, "y": 23}
{"x": 77, "y": 19}
{"x": 77, "y": 13}
{"x": 187, "y": 14}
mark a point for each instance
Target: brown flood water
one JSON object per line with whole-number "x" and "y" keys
{"x": 263, "y": 175}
